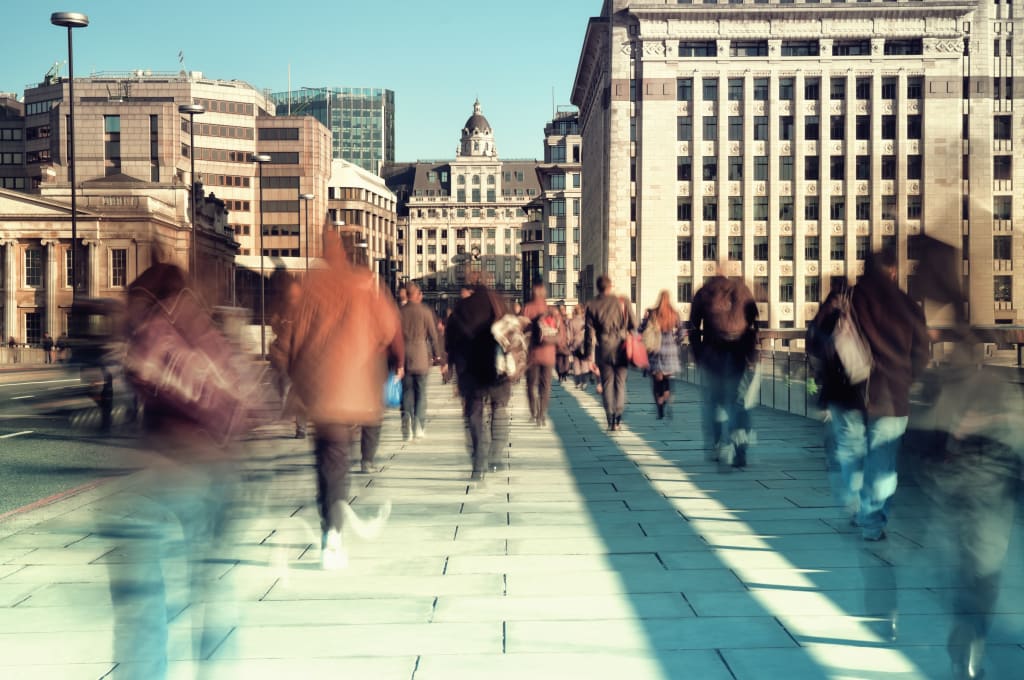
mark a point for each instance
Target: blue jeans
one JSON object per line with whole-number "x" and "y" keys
{"x": 866, "y": 449}
{"x": 727, "y": 427}
{"x": 172, "y": 512}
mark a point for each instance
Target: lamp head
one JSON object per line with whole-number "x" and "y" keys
{"x": 191, "y": 109}
{"x": 69, "y": 19}
{"x": 306, "y": 197}
{"x": 260, "y": 158}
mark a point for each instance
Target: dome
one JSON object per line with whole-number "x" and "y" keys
{"x": 477, "y": 122}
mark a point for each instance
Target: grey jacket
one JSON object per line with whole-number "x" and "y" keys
{"x": 609, "y": 319}
{"x": 419, "y": 330}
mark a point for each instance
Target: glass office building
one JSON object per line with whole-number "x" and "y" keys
{"x": 361, "y": 120}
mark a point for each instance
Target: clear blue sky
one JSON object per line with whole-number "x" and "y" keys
{"x": 436, "y": 55}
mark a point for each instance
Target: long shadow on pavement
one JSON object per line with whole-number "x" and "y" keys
{"x": 776, "y": 582}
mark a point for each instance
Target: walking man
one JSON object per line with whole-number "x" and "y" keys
{"x": 472, "y": 347}
{"x": 609, "y": 318}
{"x": 422, "y": 346}
{"x": 338, "y": 351}
{"x": 723, "y": 335}
{"x": 546, "y": 333}
{"x": 868, "y": 433}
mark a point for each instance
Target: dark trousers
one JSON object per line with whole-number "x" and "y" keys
{"x": 613, "y": 385}
{"x": 414, "y": 400}
{"x": 726, "y": 418}
{"x": 538, "y": 390}
{"x": 495, "y": 400}
{"x": 369, "y": 442}
{"x": 334, "y": 446}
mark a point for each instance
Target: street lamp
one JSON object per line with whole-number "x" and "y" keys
{"x": 70, "y": 21}
{"x": 306, "y": 198}
{"x": 193, "y": 110}
{"x": 260, "y": 159}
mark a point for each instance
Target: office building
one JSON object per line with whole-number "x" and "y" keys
{"x": 465, "y": 215}
{"x": 561, "y": 187}
{"x": 361, "y": 120}
{"x": 363, "y": 209}
{"x": 789, "y": 140}
{"x": 12, "y": 144}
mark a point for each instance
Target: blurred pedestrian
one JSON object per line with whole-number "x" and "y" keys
{"x": 185, "y": 374}
{"x": 281, "y": 321}
{"x": 609, "y": 319}
{"x": 338, "y": 353}
{"x": 582, "y": 354}
{"x": 403, "y": 296}
{"x": 422, "y": 348}
{"x": 869, "y": 423}
{"x": 47, "y": 345}
{"x": 563, "y": 355}
{"x": 62, "y": 346}
{"x": 546, "y": 332}
{"x": 12, "y": 348}
{"x": 472, "y": 347}
{"x": 723, "y": 336}
{"x": 662, "y": 323}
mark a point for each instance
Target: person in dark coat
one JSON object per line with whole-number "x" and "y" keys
{"x": 471, "y": 348}
{"x": 869, "y": 424}
{"x": 723, "y": 336}
{"x": 422, "y": 348}
{"x": 543, "y": 351}
{"x": 609, "y": 318}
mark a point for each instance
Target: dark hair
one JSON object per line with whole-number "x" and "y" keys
{"x": 604, "y": 282}
{"x": 880, "y": 260}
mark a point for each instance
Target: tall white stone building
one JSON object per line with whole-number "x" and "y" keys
{"x": 790, "y": 139}
{"x": 464, "y": 215}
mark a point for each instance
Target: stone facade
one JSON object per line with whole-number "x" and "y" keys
{"x": 362, "y": 206}
{"x": 560, "y": 178}
{"x": 464, "y": 215}
{"x": 120, "y": 221}
{"x": 789, "y": 141}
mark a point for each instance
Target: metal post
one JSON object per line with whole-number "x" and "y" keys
{"x": 71, "y": 168}
{"x": 260, "y": 159}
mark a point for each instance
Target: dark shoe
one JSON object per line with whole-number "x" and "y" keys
{"x": 661, "y": 411}
{"x": 300, "y": 434}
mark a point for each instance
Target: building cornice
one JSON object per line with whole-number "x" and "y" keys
{"x": 801, "y": 11}
{"x": 595, "y": 48}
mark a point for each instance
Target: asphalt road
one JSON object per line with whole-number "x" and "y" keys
{"x": 49, "y": 436}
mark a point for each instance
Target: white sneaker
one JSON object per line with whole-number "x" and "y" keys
{"x": 407, "y": 437}
{"x": 333, "y": 555}
{"x": 420, "y": 432}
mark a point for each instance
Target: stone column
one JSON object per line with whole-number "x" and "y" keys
{"x": 92, "y": 284}
{"x": 52, "y": 326}
{"x": 10, "y": 287}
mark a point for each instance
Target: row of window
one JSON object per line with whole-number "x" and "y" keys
{"x": 12, "y": 158}
{"x": 709, "y": 208}
{"x": 557, "y": 182}
{"x": 227, "y": 180}
{"x": 787, "y": 128}
{"x": 289, "y": 134}
{"x": 35, "y": 269}
{"x": 221, "y": 106}
{"x": 708, "y": 49}
{"x": 218, "y": 155}
{"x": 12, "y": 182}
{"x": 10, "y": 134}
{"x": 226, "y": 131}
{"x": 837, "y": 168}
{"x": 557, "y": 208}
{"x": 736, "y": 88}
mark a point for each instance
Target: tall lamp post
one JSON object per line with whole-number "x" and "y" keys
{"x": 260, "y": 159}
{"x": 193, "y": 110}
{"x": 70, "y": 21}
{"x": 306, "y": 198}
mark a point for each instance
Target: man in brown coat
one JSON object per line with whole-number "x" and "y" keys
{"x": 545, "y": 331}
{"x": 422, "y": 346}
{"x": 338, "y": 349}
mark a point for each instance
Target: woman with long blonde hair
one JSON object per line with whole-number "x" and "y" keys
{"x": 662, "y": 330}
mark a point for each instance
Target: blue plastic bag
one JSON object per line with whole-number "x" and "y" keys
{"x": 392, "y": 391}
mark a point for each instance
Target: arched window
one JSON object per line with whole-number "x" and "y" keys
{"x": 490, "y": 180}
{"x": 462, "y": 179}
{"x": 476, "y": 180}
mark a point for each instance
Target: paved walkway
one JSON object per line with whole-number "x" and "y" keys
{"x": 591, "y": 557}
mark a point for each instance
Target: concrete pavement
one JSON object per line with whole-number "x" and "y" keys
{"x": 591, "y": 557}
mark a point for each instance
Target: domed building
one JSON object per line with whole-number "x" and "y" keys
{"x": 464, "y": 217}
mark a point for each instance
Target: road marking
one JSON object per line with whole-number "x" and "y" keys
{"x": 24, "y": 396}
{"x": 16, "y": 434}
{"x": 40, "y": 382}
{"x": 56, "y": 497}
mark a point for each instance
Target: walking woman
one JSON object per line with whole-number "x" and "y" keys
{"x": 662, "y": 328}
{"x": 582, "y": 356}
